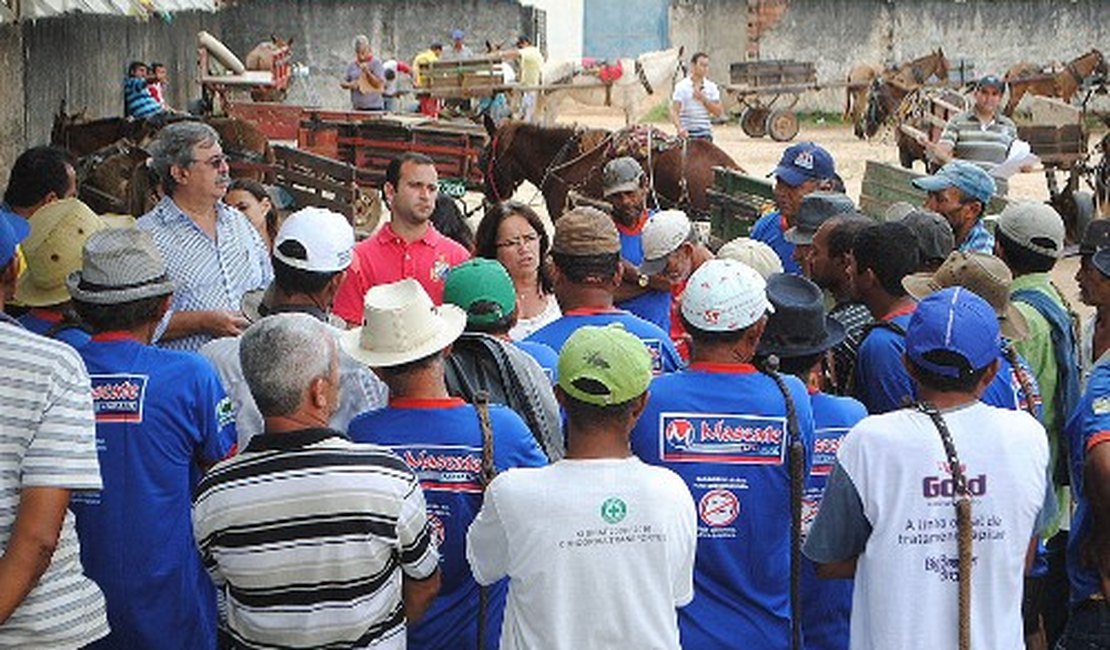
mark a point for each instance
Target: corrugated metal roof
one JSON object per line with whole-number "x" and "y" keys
{"x": 30, "y": 9}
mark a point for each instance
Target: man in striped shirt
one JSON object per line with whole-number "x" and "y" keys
{"x": 47, "y": 451}
{"x": 318, "y": 541}
{"x": 982, "y": 135}
{"x": 696, "y": 101}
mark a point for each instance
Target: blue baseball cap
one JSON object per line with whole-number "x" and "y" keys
{"x": 953, "y": 333}
{"x": 457, "y": 35}
{"x": 13, "y": 229}
{"x": 968, "y": 177}
{"x": 804, "y": 161}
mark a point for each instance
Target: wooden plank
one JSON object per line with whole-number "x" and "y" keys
{"x": 319, "y": 164}
{"x": 304, "y": 198}
{"x": 341, "y": 191}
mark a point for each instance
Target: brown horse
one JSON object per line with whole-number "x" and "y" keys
{"x": 563, "y": 159}
{"x": 890, "y": 87}
{"x": 855, "y": 101}
{"x": 113, "y": 180}
{"x": 1064, "y": 84}
{"x": 82, "y": 136}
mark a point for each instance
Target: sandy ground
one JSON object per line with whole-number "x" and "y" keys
{"x": 758, "y": 156}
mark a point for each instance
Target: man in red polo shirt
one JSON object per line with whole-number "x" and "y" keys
{"x": 408, "y": 246}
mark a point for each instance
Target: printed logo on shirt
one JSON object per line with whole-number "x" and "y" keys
{"x": 118, "y": 398}
{"x": 655, "y": 347}
{"x": 718, "y": 508}
{"x": 450, "y": 469}
{"x": 440, "y": 268}
{"x": 722, "y": 438}
{"x": 826, "y": 442}
{"x": 945, "y": 486}
{"x": 439, "y": 531}
{"x": 225, "y": 412}
{"x": 1101, "y": 405}
{"x": 613, "y": 510}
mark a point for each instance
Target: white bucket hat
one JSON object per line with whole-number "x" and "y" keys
{"x": 401, "y": 324}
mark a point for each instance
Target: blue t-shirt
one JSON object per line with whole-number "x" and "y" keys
{"x": 161, "y": 416}
{"x": 826, "y": 604}
{"x": 882, "y": 382}
{"x": 137, "y": 100}
{"x": 544, "y": 355}
{"x": 73, "y": 336}
{"x": 722, "y": 428}
{"x": 1091, "y": 418}
{"x": 442, "y": 442}
{"x": 663, "y": 353}
{"x": 769, "y": 231}
{"x": 652, "y": 306}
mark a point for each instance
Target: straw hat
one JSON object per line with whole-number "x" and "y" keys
{"x": 53, "y": 251}
{"x": 400, "y": 325}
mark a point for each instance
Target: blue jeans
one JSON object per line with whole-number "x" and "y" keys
{"x": 1088, "y": 628}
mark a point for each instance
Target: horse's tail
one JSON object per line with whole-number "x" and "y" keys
{"x": 848, "y": 98}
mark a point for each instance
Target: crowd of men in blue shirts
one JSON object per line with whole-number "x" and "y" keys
{"x": 759, "y": 448}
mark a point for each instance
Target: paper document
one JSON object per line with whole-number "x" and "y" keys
{"x": 1021, "y": 155}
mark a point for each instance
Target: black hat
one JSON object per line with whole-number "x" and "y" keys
{"x": 1095, "y": 237}
{"x": 798, "y": 327}
{"x": 993, "y": 81}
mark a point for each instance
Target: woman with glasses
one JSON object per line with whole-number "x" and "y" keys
{"x": 513, "y": 234}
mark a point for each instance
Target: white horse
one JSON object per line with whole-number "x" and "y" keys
{"x": 650, "y": 74}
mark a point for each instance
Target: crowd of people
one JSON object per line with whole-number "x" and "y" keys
{"x": 227, "y": 429}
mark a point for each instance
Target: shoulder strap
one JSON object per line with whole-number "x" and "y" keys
{"x": 797, "y": 487}
{"x": 1024, "y": 380}
{"x": 962, "y": 500}
{"x": 883, "y": 324}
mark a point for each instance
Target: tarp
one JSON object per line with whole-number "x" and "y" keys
{"x": 31, "y": 9}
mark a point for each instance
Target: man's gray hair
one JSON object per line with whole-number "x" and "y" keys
{"x": 174, "y": 146}
{"x": 281, "y": 355}
{"x": 360, "y": 41}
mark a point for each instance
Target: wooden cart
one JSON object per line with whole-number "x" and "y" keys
{"x": 736, "y": 202}
{"x": 769, "y": 91}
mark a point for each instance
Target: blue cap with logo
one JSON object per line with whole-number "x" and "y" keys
{"x": 967, "y": 177}
{"x": 13, "y": 229}
{"x": 803, "y": 162}
{"x": 953, "y": 333}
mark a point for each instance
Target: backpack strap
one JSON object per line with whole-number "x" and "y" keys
{"x": 962, "y": 501}
{"x": 485, "y": 477}
{"x": 796, "y": 458}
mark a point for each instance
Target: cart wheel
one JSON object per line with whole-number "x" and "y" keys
{"x": 782, "y": 125}
{"x": 753, "y": 121}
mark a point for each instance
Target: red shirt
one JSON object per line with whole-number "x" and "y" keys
{"x": 386, "y": 258}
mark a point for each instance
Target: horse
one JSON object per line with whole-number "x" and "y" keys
{"x": 261, "y": 57}
{"x": 855, "y": 101}
{"x": 82, "y": 136}
{"x": 1064, "y": 84}
{"x": 559, "y": 160}
{"x": 647, "y": 75}
{"x": 887, "y": 92}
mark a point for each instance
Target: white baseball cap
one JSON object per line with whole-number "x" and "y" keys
{"x": 725, "y": 296}
{"x": 663, "y": 233}
{"x": 753, "y": 253}
{"x": 326, "y": 236}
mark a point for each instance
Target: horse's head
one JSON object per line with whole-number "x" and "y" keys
{"x": 880, "y": 101}
{"x": 499, "y": 168}
{"x": 1100, "y": 63}
{"x": 680, "y": 70}
{"x": 941, "y": 66}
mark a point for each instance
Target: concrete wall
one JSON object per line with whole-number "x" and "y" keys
{"x": 83, "y": 58}
{"x": 837, "y": 34}
{"x": 564, "y": 27}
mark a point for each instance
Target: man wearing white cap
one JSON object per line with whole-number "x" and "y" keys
{"x": 728, "y": 429}
{"x": 405, "y": 339}
{"x": 673, "y": 251}
{"x": 312, "y": 252}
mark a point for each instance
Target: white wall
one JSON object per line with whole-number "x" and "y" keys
{"x": 564, "y": 27}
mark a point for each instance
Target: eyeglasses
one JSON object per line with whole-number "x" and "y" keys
{"x": 215, "y": 162}
{"x": 516, "y": 242}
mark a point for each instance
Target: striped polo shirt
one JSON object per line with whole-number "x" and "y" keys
{"x": 693, "y": 115}
{"x": 984, "y": 143}
{"x": 47, "y": 440}
{"x": 207, "y": 273}
{"x": 310, "y": 533}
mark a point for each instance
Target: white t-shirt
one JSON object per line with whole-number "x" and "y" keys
{"x": 599, "y": 554}
{"x": 906, "y": 580}
{"x": 693, "y": 115}
{"x": 526, "y": 326}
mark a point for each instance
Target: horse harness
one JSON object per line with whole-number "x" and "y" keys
{"x": 642, "y": 76}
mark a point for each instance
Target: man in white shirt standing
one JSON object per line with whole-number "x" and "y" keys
{"x": 696, "y": 101}
{"x": 603, "y": 560}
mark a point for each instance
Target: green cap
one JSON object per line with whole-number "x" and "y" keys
{"x": 478, "y": 281}
{"x": 604, "y": 365}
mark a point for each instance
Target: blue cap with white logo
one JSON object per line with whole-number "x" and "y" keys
{"x": 967, "y": 177}
{"x": 953, "y": 333}
{"x": 803, "y": 162}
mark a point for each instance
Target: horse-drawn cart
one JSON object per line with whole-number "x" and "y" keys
{"x": 769, "y": 91}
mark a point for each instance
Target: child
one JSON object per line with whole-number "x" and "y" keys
{"x": 156, "y": 84}
{"x": 137, "y": 100}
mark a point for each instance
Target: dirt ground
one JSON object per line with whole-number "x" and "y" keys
{"x": 758, "y": 156}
